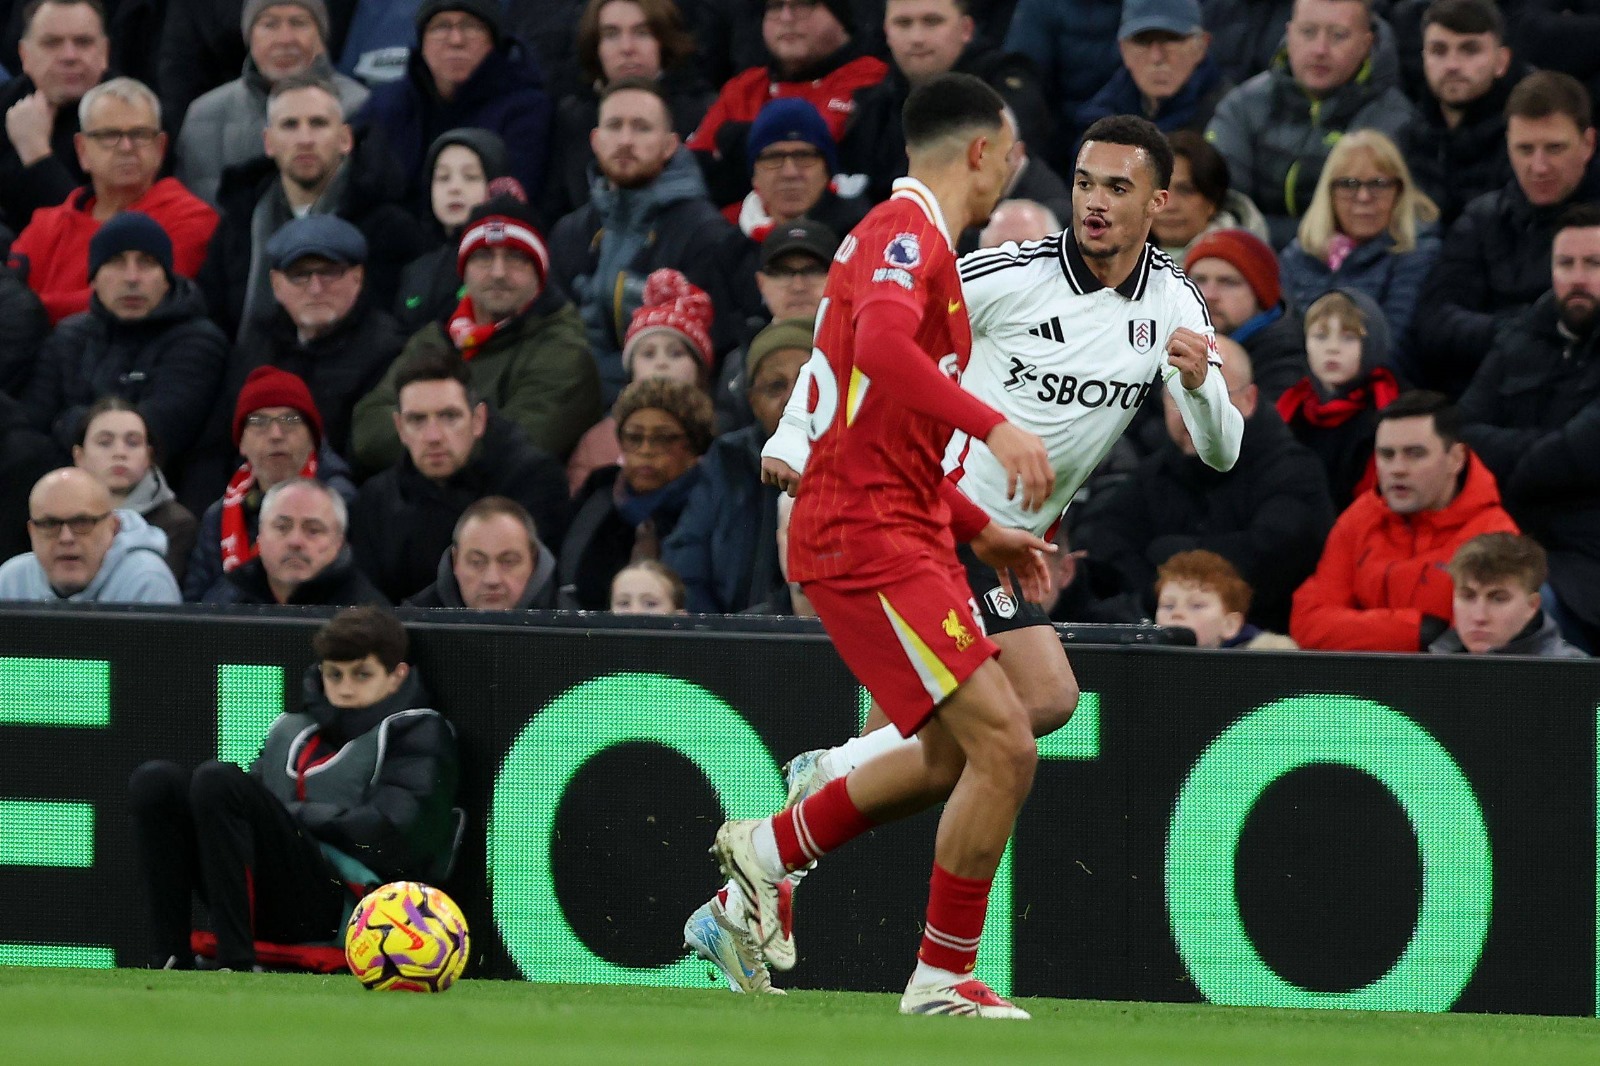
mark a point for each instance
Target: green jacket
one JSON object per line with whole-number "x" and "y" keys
{"x": 536, "y": 371}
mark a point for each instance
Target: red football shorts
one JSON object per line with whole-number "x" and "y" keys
{"x": 911, "y": 641}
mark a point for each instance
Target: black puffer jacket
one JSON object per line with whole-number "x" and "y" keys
{"x": 1456, "y": 166}
{"x": 339, "y": 584}
{"x": 1533, "y": 417}
{"x": 26, "y": 455}
{"x": 169, "y": 363}
{"x": 48, "y": 181}
{"x": 23, "y": 327}
{"x": 402, "y": 520}
{"x": 1494, "y": 264}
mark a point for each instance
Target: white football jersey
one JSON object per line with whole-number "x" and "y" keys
{"x": 1070, "y": 360}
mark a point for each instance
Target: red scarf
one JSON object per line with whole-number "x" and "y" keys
{"x": 237, "y": 547}
{"x": 465, "y": 332}
{"x": 1301, "y": 401}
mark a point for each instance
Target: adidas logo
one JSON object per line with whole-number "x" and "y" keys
{"x": 1050, "y": 331}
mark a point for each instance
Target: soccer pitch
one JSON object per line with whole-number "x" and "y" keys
{"x": 133, "y": 1017}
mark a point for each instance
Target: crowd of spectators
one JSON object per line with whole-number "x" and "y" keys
{"x": 493, "y": 303}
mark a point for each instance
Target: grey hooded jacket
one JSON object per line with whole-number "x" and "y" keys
{"x": 133, "y": 571}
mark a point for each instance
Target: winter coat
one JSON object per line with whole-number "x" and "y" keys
{"x": 168, "y": 363}
{"x": 1267, "y": 516}
{"x": 205, "y": 580}
{"x": 23, "y": 328}
{"x": 875, "y": 142}
{"x": 725, "y": 543}
{"x": 26, "y": 455}
{"x": 1275, "y": 340}
{"x": 1495, "y": 262}
{"x": 1541, "y": 637}
{"x": 1246, "y": 35}
{"x": 609, "y": 246}
{"x": 505, "y": 95}
{"x": 1557, "y": 35}
{"x": 402, "y": 519}
{"x": 134, "y": 570}
{"x": 1533, "y": 414}
{"x": 55, "y": 245}
{"x": 430, "y": 289}
{"x": 600, "y": 542}
{"x": 536, "y": 371}
{"x": 578, "y": 113}
{"x": 831, "y": 85}
{"x": 223, "y": 127}
{"x": 1276, "y": 138}
{"x": 1456, "y": 166}
{"x": 1383, "y": 574}
{"x": 1190, "y": 108}
{"x": 538, "y": 594}
{"x": 1393, "y": 279}
{"x": 339, "y": 584}
{"x": 365, "y": 192}
{"x": 24, "y": 190}
{"x": 1073, "y": 45}
{"x": 383, "y": 796}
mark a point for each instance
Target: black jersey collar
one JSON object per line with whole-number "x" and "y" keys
{"x": 1082, "y": 279}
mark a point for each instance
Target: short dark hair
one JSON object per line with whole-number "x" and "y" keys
{"x": 950, "y": 104}
{"x": 33, "y": 6}
{"x": 1551, "y": 92}
{"x": 1501, "y": 557}
{"x": 666, "y": 26}
{"x": 1135, "y": 132}
{"x": 1207, "y": 169}
{"x": 1424, "y": 403}
{"x": 494, "y": 506}
{"x": 357, "y": 632}
{"x": 1578, "y": 216}
{"x": 435, "y": 365}
{"x": 1466, "y": 16}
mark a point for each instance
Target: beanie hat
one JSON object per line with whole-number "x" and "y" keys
{"x": 130, "y": 231}
{"x": 841, "y": 10}
{"x": 488, "y": 12}
{"x": 1246, "y": 253}
{"x": 486, "y": 145}
{"x": 672, "y": 303}
{"x": 781, "y": 335}
{"x": 790, "y": 118}
{"x": 1376, "y": 339}
{"x": 502, "y": 220}
{"x": 267, "y": 386}
{"x": 253, "y": 9}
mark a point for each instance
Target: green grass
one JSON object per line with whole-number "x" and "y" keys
{"x": 133, "y": 1017}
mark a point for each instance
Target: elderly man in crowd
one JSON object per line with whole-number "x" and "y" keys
{"x": 495, "y": 562}
{"x": 302, "y": 558}
{"x": 86, "y": 552}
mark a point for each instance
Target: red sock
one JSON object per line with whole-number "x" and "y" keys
{"x": 956, "y": 909}
{"x": 809, "y": 830}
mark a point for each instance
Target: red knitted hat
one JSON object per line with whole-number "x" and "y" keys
{"x": 267, "y": 386}
{"x": 671, "y": 302}
{"x": 501, "y": 220}
{"x": 1246, "y": 253}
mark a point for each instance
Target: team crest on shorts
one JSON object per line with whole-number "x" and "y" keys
{"x": 1142, "y": 334}
{"x": 905, "y": 251}
{"x": 1001, "y": 602}
{"x": 957, "y": 632}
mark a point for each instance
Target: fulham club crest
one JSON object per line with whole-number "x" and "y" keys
{"x": 1142, "y": 334}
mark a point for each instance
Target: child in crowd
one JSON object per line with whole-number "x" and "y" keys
{"x": 1201, "y": 591}
{"x": 1334, "y": 409}
{"x": 352, "y": 789}
{"x": 1499, "y": 603}
{"x": 647, "y": 587}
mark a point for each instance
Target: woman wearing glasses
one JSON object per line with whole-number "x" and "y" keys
{"x": 1368, "y": 228}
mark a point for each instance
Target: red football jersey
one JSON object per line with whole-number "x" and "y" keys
{"x": 869, "y": 500}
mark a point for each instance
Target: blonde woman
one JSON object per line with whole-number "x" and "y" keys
{"x": 1368, "y": 228}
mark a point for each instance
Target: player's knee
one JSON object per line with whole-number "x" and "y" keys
{"x": 1016, "y": 757}
{"x": 213, "y": 784}
{"x": 1052, "y": 708}
{"x": 154, "y": 784}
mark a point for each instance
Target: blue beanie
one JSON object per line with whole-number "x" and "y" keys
{"x": 790, "y": 118}
{"x": 130, "y": 231}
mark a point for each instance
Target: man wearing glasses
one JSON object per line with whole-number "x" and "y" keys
{"x": 1340, "y": 74}
{"x": 121, "y": 148}
{"x": 85, "y": 552}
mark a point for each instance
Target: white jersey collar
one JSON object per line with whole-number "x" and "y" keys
{"x": 913, "y": 190}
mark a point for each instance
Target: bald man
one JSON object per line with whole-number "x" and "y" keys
{"x": 1020, "y": 221}
{"x": 84, "y": 551}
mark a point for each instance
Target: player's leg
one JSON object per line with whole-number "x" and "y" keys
{"x": 263, "y": 875}
{"x": 164, "y": 837}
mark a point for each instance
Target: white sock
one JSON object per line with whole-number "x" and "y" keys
{"x": 858, "y": 750}
{"x": 767, "y": 851}
{"x": 933, "y": 975}
{"x": 733, "y": 909}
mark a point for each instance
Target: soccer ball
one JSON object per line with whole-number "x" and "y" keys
{"x": 406, "y": 936}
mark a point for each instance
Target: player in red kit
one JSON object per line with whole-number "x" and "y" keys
{"x": 871, "y": 542}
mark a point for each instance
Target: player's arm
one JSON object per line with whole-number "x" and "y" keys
{"x": 1201, "y": 392}
{"x": 783, "y": 457}
{"x": 1002, "y": 547}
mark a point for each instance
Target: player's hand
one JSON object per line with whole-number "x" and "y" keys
{"x": 1026, "y": 463}
{"x": 1016, "y": 551}
{"x": 29, "y": 123}
{"x": 1189, "y": 352}
{"x": 781, "y": 474}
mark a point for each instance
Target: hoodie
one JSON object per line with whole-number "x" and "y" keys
{"x": 1541, "y": 637}
{"x": 538, "y": 593}
{"x": 134, "y": 570}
